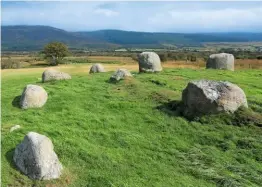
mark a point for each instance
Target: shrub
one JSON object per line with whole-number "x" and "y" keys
{"x": 134, "y": 57}
{"x": 163, "y": 57}
{"x": 193, "y": 58}
{"x": 9, "y": 64}
{"x": 55, "y": 52}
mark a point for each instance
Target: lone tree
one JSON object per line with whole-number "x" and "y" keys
{"x": 55, "y": 52}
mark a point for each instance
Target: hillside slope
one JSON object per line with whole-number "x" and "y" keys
{"x": 35, "y": 37}
{"x": 128, "y": 134}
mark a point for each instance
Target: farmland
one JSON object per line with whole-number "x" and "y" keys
{"x": 32, "y": 61}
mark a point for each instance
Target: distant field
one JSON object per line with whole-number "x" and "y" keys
{"x": 104, "y": 59}
{"x": 84, "y": 68}
{"x": 244, "y": 45}
{"x": 127, "y": 134}
{"x": 29, "y": 61}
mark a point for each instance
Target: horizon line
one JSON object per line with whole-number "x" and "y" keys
{"x": 160, "y": 32}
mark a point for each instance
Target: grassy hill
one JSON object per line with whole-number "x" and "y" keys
{"x": 26, "y": 38}
{"x": 127, "y": 134}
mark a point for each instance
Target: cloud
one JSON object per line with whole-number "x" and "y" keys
{"x": 106, "y": 12}
{"x": 137, "y": 16}
{"x": 228, "y": 19}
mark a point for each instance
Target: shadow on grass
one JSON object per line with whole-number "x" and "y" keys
{"x": 241, "y": 117}
{"x": 172, "y": 108}
{"x": 16, "y": 101}
{"x": 9, "y": 157}
{"x": 113, "y": 81}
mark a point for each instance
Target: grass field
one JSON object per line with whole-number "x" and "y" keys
{"x": 126, "y": 134}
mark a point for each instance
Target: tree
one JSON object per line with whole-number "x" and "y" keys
{"x": 55, "y": 52}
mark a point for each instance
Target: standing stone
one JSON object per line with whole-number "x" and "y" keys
{"x": 211, "y": 97}
{"x": 33, "y": 96}
{"x": 149, "y": 62}
{"x": 97, "y": 68}
{"x": 221, "y": 61}
{"x": 52, "y": 75}
{"x": 120, "y": 74}
{"x": 36, "y": 158}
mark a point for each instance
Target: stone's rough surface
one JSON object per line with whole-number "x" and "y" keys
{"x": 36, "y": 158}
{"x": 149, "y": 62}
{"x": 15, "y": 128}
{"x": 33, "y": 96}
{"x": 120, "y": 74}
{"x": 211, "y": 97}
{"x": 52, "y": 75}
{"x": 221, "y": 61}
{"x": 97, "y": 68}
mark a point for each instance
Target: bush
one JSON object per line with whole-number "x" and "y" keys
{"x": 193, "y": 58}
{"x": 134, "y": 57}
{"x": 163, "y": 57}
{"x": 9, "y": 64}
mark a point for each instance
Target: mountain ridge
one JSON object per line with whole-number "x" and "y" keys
{"x": 34, "y": 37}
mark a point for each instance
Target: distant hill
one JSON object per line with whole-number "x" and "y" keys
{"x": 28, "y": 38}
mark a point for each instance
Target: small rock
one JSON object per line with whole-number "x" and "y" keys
{"x": 120, "y": 74}
{"x": 33, "y": 96}
{"x": 36, "y": 158}
{"x": 97, "y": 68}
{"x": 15, "y": 128}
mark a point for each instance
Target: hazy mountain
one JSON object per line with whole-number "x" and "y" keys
{"x": 35, "y": 37}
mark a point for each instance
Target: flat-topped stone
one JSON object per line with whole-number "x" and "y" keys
{"x": 220, "y": 61}
{"x": 52, "y": 75}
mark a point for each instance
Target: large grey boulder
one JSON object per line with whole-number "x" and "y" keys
{"x": 120, "y": 74}
{"x": 35, "y": 157}
{"x": 97, "y": 68}
{"x": 221, "y": 61}
{"x": 149, "y": 62}
{"x": 33, "y": 96}
{"x": 211, "y": 97}
{"x": 52, "y": 75}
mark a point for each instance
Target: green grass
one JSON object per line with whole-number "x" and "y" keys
{"x": 125, "y": 135}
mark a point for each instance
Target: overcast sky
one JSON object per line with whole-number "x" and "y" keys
{"x": 137, "y": 16}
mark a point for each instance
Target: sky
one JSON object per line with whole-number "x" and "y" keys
{"x": 187, "y": 17}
